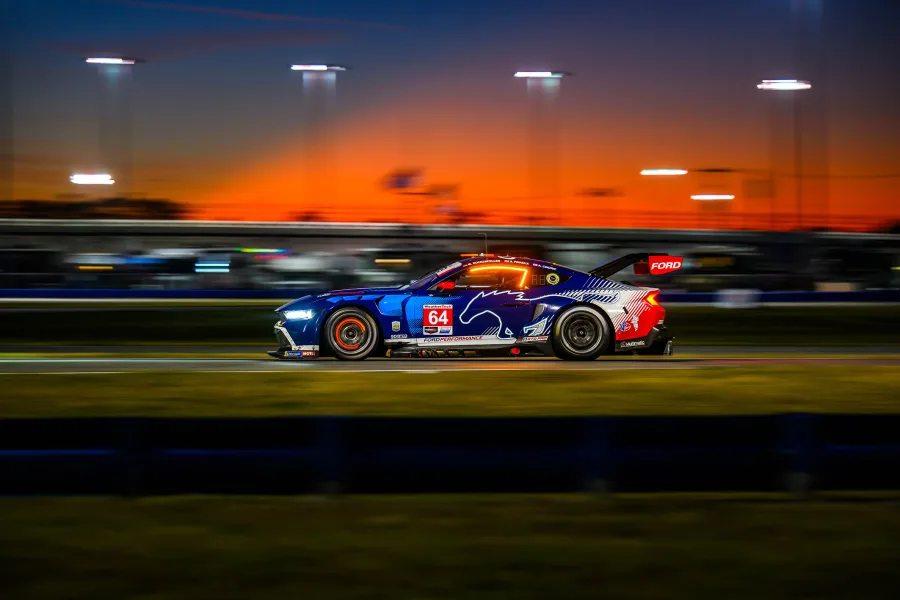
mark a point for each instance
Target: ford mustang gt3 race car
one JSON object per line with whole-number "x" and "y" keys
{"x": 486, "y": 306}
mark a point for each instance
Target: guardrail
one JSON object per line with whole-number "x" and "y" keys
{"x": 295, "y": 455}
{"x": 48, "y": 294}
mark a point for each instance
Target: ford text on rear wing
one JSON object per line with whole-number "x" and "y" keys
{"x": 644, "y": 264}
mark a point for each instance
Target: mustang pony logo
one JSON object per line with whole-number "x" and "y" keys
{"x": 483, "y": 302}
{"x": 474, "y": 305}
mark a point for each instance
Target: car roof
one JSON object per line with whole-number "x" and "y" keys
{"x": 510, "y": 260}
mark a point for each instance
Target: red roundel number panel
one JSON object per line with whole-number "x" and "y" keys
{"x": 437, "y": 319}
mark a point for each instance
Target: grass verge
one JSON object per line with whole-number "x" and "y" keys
{"x": 713, "y": 391}
{"x": 771, "y": 326}
{"x": 493, "y": 548}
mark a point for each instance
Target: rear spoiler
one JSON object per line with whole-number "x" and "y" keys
{"x": 645, "y": 263}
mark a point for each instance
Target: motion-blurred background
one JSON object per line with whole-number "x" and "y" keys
{"x": 171, "y": 171}
{"x": 352, "y": 145}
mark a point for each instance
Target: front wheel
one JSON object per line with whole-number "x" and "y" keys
{"x": 580, "y": 333}
{"x": 351, "y": 334}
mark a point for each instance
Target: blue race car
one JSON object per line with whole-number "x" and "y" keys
{"x": 485, "y": 306}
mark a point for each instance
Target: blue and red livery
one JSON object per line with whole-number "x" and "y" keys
{"x": 486, "y": 306}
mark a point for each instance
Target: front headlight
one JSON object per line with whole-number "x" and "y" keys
{"x": 301, "y": 315}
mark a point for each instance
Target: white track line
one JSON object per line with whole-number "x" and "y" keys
{"x": 264, "y": 372}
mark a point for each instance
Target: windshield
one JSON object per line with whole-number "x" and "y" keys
{"x": 428, "y": 279}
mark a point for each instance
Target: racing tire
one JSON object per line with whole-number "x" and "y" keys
{"x": 580, "y": 333}
{"x": 351, "y": 334}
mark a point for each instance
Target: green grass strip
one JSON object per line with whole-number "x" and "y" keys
{"x": 210, "y": 548}
{"x": 702, "y": 391}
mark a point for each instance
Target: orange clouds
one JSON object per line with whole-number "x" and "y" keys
{"x": 487, "y": 151}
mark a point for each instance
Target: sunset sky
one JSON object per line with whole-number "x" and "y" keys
{"x": 220, "y": 121}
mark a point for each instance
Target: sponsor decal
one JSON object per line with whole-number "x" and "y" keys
{"x": 395, "y": 325}
{"x": 508, "y": 261}
{"x": 301, "y": 353}
{"x": 442, "y": 330}
{"x": 448, "y": 268}
{"x": 630, "y": 325}
{"x": 536, "y": 338}
{"x": 660, "y": 265}
{"x": 634, "y": 344}
{"x": 437, "y": 319}
{"x": 552, "y": 278}
{"x": 458, "y": 338}
{"x": 399, "y": 336}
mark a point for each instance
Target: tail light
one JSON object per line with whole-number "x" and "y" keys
{"x": 651, "y": 298}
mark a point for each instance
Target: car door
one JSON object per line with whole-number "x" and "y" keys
{"x": 482, "y": 305}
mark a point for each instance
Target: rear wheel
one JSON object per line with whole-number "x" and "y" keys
{"x": 580, "y": 333}
{"x": 351, "y": 334}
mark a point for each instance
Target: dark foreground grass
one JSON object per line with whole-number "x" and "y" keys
{"x": 712, "y": 390}
{"x": 493, "y": 548}
{"x": 252, "y": 325}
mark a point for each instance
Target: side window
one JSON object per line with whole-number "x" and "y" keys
{"x": 546, "y": 278}
{"x": 492, "y": 278}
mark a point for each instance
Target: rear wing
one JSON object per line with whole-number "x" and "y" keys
{"x": 644, "y": 264}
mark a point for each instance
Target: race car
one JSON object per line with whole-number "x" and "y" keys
{"x": 486, "y": 306}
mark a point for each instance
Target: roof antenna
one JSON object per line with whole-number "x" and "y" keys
{"x": 485, "y": 244}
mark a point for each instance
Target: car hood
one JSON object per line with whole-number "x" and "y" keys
{"x": 313, "y": 299}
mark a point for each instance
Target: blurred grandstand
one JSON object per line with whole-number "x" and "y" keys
{"x": 78, "y": 207}
{"x": 129, "y": 253}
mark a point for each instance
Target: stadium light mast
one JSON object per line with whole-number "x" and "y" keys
{"x": 116, "y": 116}
{"x": 794, "y": 87}
{"x": 319, "y": 95}
{"x": 543, "y": 88}
{"x": 92, "y": 179}
{"x": 663, "y": 172}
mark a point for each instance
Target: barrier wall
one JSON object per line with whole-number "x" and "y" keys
{"x": 149, "y": 456}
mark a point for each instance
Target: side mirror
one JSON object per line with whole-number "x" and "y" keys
{"x": 641, "y": 268}
{"x": 446, "y": 285}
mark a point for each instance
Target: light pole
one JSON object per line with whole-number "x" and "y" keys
{"x": 543, "y": 88}
{"x": 792, "y": 86}
{"x": 811, "y": 52}
{"x": 709, "y": 199}
{"x": 7, "y": 120}
{"x": 92, "y": 179}
{"x": 115, "y": 116}
{"x": 714, "y": 201}
{"x": 663, "y": 173}
{"x": 319, "y": 91}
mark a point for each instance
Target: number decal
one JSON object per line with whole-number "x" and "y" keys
{"x": 437, "y": 319}
{"x": 542, "y": 280}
